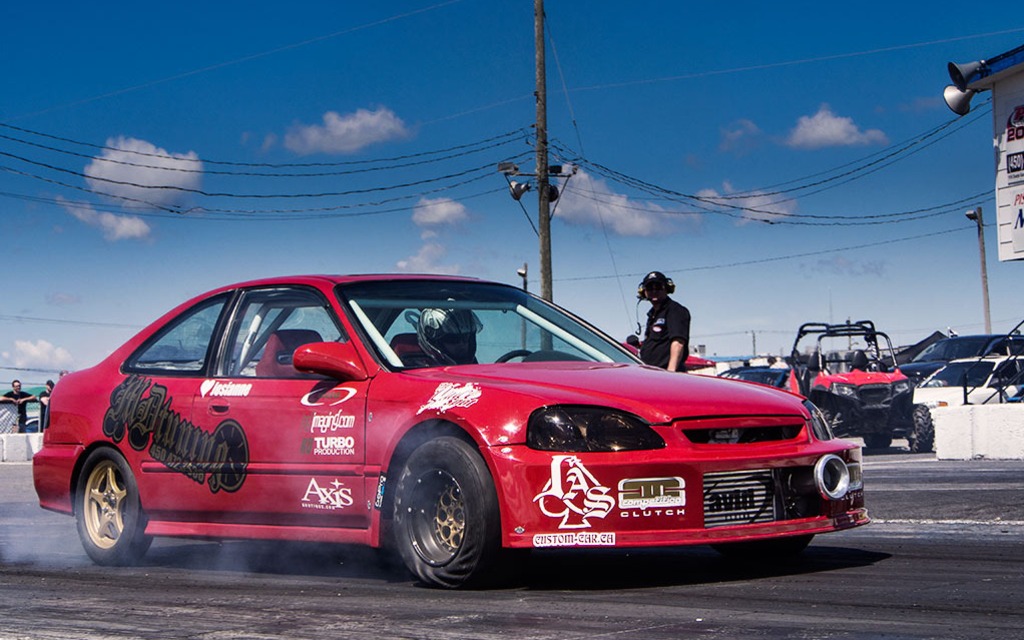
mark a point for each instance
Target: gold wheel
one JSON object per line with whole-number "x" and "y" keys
{"x": 103, "y": 504}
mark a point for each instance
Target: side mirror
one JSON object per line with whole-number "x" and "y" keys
{"x": 335, "y": 359}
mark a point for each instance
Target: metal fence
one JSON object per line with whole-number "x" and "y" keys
{"x": 9, "y": 416}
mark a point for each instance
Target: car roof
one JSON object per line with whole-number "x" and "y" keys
{"x": 335, "y": 279}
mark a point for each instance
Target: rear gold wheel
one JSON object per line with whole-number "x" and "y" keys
{"x": 111, "y": 524}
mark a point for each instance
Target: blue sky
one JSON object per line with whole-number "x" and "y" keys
{"x": 767, "y": 157}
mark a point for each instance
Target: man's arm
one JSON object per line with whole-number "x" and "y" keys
{"x": 676, "y": 355}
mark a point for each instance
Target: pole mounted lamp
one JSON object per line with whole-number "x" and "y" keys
{"x": 975, "y": 215}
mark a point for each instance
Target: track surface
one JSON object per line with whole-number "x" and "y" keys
{"x": 943, "y": 559}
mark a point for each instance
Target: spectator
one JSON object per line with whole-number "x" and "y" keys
{"x": 20, "y": 400}
{"x": 667, "y": 337}
{"x": 44, "y": 404}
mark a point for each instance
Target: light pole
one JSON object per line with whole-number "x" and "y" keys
{"x": 975, "y": 214}
{"x": 521, "y": 272}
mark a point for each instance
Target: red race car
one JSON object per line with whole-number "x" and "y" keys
{"x": 453, "y": 419}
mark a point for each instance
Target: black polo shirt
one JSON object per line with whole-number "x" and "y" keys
{"x": 670, "y": 321}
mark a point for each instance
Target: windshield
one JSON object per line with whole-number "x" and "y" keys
{"x": 952, "y": 349}
{"x": 952, "y": 375}
{"x": 427, "y": 323}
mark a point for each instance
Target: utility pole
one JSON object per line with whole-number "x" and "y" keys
{"x": 975, "y": 215}
{"x": 543, "y": 193}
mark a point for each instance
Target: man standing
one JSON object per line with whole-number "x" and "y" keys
{"x": 667, "y": 337}
{"x": 20, "y": 400}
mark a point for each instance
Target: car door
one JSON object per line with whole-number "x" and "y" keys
{"x": 183, "y": 464}
{"x": 304, "y": 433}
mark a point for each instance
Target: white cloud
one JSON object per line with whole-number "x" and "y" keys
{"x": 431, "y": 216}
{"x": 751, "y": 206}
{"x": 39, "y": 355}
{"x": 843, "y": 266}
{"x": 114, "y": 227}
{"x": 346, "y": 134}
{"x": 438, "y": 211}
{"x": 63, "y": 299}
{"x": 135, "y": 174}
{"x": 589, "y": 201}
{"x": 826, "y": 129}
{"x": 741, "y": 137}
{"x": 428, "y": 260}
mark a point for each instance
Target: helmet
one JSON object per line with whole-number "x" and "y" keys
{"x": 449, "y": 335}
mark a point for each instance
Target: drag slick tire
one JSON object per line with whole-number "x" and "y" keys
{"x": 922, "y": 439}
{"x": 110, "y": 520}
{"x": 446, "y": 522}
{"x": 766, "y": 550}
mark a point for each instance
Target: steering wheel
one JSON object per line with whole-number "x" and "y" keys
{"x": 515, "y": 353}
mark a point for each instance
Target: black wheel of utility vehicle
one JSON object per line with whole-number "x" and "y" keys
{"x": 766, "y": 550}
{"x": 446, "y": 521}
{"x": 109, "y": 516}
{"x": 922, "y": 438}
{"x": 878, "y": 440}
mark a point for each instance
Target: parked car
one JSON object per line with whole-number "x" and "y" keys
{"x": 455, "y": 420}
{"x": 986, "y": 380}
{"x": 936, "y": 355}
{"x": 771, "y": 376}
{"x": 860, "y": 391}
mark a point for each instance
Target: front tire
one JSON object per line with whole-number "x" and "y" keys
{"x": 111, "y": 524}
{"x": 447, "y": 524}
{"x": 922, "y": 439}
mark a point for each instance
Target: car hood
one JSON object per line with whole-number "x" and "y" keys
{"x": 654, "y": 394}
{"x": 858, "y": 378}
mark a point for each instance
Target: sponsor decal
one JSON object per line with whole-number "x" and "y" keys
{"x": 449, "y": 395}
{"x": 1015, "y": 124}
{"x": 575, "y": 539}
{"x": 1015, "y": 163}
{"x": 329, "y": 445}
{"x": 324, "y": 422}
{"x": 335, "y": 495}
{"x": 573, "y": 494}
{"x": 224, "y": 389}
{"x": 378, "y": 502}
{"x": 140, "y": 410}
{"x": 329, "y": 396}
{"x": 646, "y": 497}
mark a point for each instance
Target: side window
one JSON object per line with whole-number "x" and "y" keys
{"x": 183, "y": 345}
{"x": 270, "y": 324}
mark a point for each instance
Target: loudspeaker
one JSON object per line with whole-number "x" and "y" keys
{"x": 958, "y": 101}
{"x": 961, "y": 74}
{"x": 517, "y": 189}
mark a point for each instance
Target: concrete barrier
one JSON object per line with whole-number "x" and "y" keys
{"x": 990, "y": 431}
{"x": 19, "y": 447}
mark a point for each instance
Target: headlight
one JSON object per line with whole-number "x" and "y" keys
{"x": 819, "y": 426}
{"x": 847, "y": 390}
{"x": 579, "y": 428}
{"x": 901, "y": 386}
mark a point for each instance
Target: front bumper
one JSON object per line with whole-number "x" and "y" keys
{"x": 655, "y": 498}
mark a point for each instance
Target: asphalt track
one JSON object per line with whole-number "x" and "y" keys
{"x": 944, "y": 558}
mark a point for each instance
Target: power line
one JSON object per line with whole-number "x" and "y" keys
{"x": 792, "y": 256}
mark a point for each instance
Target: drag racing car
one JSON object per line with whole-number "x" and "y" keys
{"x": 455, "y": 421}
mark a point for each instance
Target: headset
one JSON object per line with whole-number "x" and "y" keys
{"x": 670, "y": 287}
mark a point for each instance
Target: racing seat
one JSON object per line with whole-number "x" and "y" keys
{"x": 407, "y": 347}
{"x": 276, "y": 361}
{"x": 859, "y": 360}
